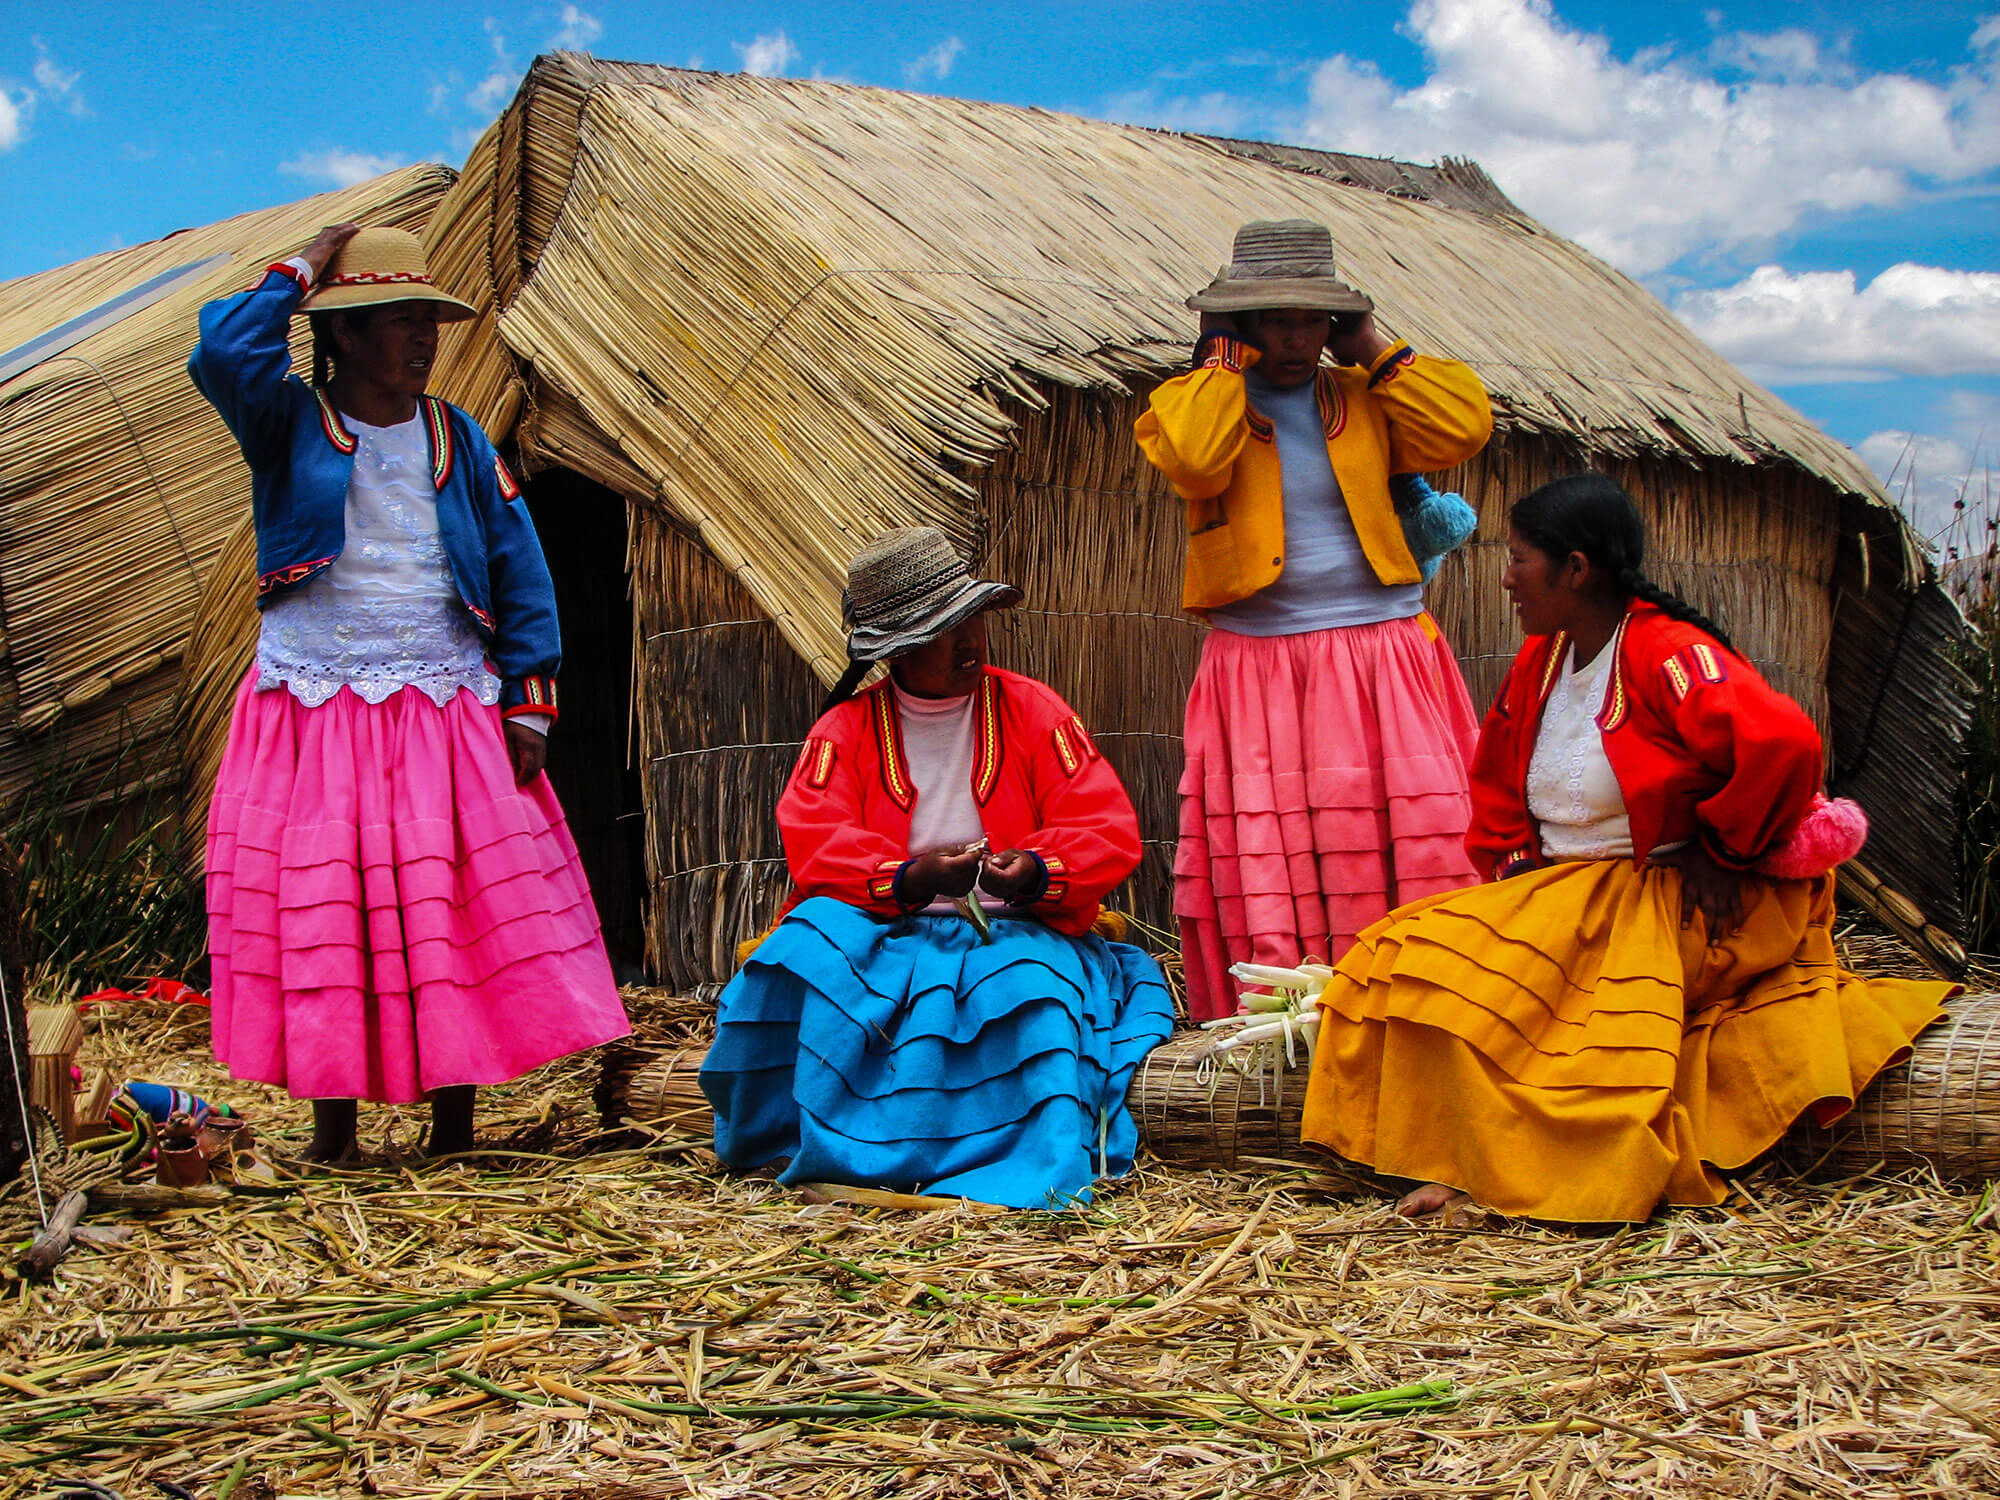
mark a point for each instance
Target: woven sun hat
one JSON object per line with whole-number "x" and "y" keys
{"x": 1280, "y": 263}
{"x": 908, "y": 587}
{"x": 378, "y": 266}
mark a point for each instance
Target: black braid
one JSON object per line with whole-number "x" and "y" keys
{"x": 322, "y": 349}
{"x": 1592, "y": 514}
{"x": 844, "y": 689}
{"x": 1670, "y": 604}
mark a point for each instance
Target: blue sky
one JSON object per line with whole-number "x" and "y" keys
{"x": 1814, "y": 187}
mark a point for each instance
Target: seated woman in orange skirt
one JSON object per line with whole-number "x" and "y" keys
{"x": 1646, "y": 994}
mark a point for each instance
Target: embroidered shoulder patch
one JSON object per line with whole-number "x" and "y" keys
{"x": 1699, "y": 662}
{"x": 816, "y": 760}
{"x": 1074, "y": 746}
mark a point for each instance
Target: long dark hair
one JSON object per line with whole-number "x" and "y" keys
{"x": 1591, "y": 513}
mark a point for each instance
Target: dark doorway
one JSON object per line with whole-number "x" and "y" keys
{"x": 582, "y": 527}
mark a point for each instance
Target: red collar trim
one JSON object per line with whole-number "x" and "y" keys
{"x": 437, "y": 421}
{"x": 989, "y": 746}
{"x": 1332, "y": 405}
{"x": 335, "y": 429}
{"x": 1617, "y": 701}
{"x": 889, "y": 745}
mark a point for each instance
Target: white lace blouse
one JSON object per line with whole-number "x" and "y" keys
{"x": 387, "y": 614}
{"x": 1572, "y": 792}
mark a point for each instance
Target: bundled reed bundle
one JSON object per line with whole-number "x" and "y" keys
{"x": 1940, "y": 1109}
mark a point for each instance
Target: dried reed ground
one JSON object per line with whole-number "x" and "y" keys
{"x": 1188, "y": 1335}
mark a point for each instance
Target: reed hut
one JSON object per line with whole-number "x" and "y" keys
{"x": 736, "y": 326}
{"x": 119, "y": 484}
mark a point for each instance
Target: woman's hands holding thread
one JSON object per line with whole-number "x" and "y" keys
{"x": 940, "y": 872}
{"x": 320, "y": 253}
{"x": 1011, "y": 876}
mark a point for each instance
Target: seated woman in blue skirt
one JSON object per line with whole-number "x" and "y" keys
{"x": 933, "y": 1014}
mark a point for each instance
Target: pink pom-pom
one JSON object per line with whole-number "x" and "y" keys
{"x": 1832, "y": 833}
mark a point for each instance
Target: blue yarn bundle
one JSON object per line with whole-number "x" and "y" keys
{"x": 1433, "y": 523}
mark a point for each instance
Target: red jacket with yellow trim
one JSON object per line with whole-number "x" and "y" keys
{"x": 1702, "y": 747}
{"x": 1040, "y": 782}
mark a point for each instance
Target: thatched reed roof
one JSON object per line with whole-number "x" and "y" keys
{"x": 794, "y": 313}
{"x": 118, "y": 483}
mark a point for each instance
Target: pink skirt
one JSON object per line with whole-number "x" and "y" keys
{"x": 1325, "y": 784}
{"x": 388, "y": 912}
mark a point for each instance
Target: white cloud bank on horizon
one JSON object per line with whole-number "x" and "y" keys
{"x": 1786, "y": 329}
{"x": 1646, "y": 160}
{"x": 768, "y": 56}
{"x": 339, "y": 167}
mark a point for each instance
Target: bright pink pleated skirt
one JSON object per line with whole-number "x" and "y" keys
{"x": 1326, "y": 783}
{"x": 388, "y": 912}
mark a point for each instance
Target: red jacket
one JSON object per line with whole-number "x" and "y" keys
{"x": 1039, "y": 780}
{"x": 1702, "y": 747}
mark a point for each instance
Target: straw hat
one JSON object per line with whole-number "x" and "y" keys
{"x": 377, "y": 266}
{"x": 1280, "y": 263}
{"x": 908, "y": 587}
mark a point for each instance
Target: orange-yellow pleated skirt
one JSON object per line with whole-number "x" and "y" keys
{"x": 1558, "y": 1046}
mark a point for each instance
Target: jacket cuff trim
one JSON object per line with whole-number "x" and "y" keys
{"x": 886, "y": 884}
{"x": 534, "y": 694}
{"x": 1054, "y": 885}
{"x": 1222, "y": 351}
{"x": 287, "y": 577}
{"x": 289, "y": 271}
{"x": 1516, "y": 863}
{"x": 1390, "y": 363}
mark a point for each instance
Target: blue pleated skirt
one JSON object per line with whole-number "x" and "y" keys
{"x": 911, "y": 1056}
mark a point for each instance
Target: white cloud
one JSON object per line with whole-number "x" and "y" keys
{"x": 56, "y": 83}
{"x": 1931, "y": 475}
{"x": 934, "y": 64}
{"x": 1644, "y": 160}
{"x": 13, "y": 118}
{"x": 502, "y": 78}
{"x": 1821, "y": 325}
{"x": 338, "y": 167}
{"x": 580, "y": 31}
{"x": 768, "y": 56}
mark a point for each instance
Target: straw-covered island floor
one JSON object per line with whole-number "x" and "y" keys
{"x": 581, "y": 1316}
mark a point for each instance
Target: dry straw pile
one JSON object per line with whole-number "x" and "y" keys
{"x": 571, "y": 1315}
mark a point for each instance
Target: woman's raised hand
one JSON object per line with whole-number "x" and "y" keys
{"x": 323, "y": 249}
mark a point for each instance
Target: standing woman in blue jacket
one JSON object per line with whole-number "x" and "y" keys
{"x": 396, "y": 908}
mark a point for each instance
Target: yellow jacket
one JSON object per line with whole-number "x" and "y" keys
{"x": 1404, "y": 414}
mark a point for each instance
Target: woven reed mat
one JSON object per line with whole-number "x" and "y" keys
{"x": 1940, "y": 1109}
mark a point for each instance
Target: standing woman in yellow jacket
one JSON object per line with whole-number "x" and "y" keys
{"x": 1328, "y": 729}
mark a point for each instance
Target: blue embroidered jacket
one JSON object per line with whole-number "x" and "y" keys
{"x": 301, "y": 457}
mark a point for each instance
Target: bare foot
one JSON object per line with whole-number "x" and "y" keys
{"x": 1430, "y": 1199}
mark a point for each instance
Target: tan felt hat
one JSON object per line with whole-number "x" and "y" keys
{"x": 378, "y": 266}
{"x": 1280, "y": 263}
